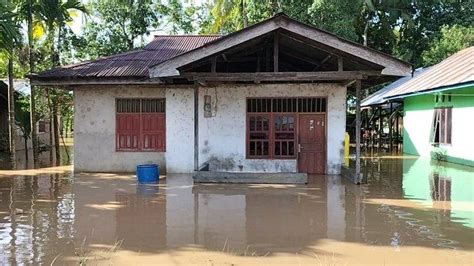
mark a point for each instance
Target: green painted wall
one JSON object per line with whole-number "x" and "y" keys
{"x": 418, "y": 120}
{"x": 441, "y": 184}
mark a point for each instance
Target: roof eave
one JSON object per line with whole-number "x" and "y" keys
{"x": 61, "y": 81}
{"x": 432, "y": 90}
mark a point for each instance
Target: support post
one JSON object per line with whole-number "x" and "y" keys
{"x": 390, "y": 125}
{"x": 380, "y": 129}
{"x": 358, "y": 178}
{"x": 196, "y": 126}
{"x": 213, "y": 64}
{"x": 275, "y": 52}
{"x": 340, "y": 64}
{"x": 397, "y": 131}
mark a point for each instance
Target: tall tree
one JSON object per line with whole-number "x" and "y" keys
{"x": 55, "y": 14}
{"x": 452, "y": 40}
{"x": 116, "y": 26}
{"x": 178, "y": 18}
{"x": 424, "y": 23}
{"x": 9, "y": 38}
{"x": 27, "y": 10}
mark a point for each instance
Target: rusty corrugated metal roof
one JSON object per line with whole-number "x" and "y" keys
{"x": 133, "y": 64}
{"x": 456, "y": 69}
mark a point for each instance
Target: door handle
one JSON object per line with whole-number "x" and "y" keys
{"x": 300, "y": 147}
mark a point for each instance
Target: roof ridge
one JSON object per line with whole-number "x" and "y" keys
{"x": 186, "y": 35}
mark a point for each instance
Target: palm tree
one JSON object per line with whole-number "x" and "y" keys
{"x": 9, "y": 38}
{"x": 54, "y": 15}
{"x": 27, "y": 10}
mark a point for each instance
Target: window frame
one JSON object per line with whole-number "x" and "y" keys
{"x": 140, "y": 115}
{"x": 445, "y": 124}
{"x": 322, "y": 100}
{"x": 248, "y": 132}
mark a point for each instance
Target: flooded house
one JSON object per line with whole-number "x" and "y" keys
{"x": 438, "y": 109}
{"x": 269, "y": 98}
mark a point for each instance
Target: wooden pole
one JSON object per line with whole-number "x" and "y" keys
{"x": 380, "y": 129}
{"x": 390, "y": 128}
{"x": 340, "y": 66}
{"x": 275, "y": 52}
{"x": 196, "y": 126}
{"x": 358, "y": 178}
{"x": 397, "y": 130}
{"x": 213, "y": 64}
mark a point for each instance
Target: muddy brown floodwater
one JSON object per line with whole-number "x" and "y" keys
{"x": 412, "y": 212}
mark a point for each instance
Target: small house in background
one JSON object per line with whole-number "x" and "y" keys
{"x": 21, "y": 88}
{"x": 270, "y": 98}
{"x": 439, "y": 110}
{"x": 382, "y": 120}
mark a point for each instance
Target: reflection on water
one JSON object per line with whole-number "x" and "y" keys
{"x": 444, "y": 186}
{"x": 61, "y": 217}
{"x": 26, "y": 162}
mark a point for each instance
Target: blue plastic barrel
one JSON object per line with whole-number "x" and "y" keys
{"x": 148, "y": 173}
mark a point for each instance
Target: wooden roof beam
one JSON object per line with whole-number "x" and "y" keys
{"x": 280, "y": 76}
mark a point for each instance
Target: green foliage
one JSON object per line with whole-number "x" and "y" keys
{"x": 9, "y": 28}
{"x": 439, "y": 154}
{"x": 424, "y": 22}
{"x": 116, "y": 26}
{"x": 22, "y": 115}
{"x": 452, "y": 40}
{"x": 335, "y": 16}
{"x": 178, "y": 18}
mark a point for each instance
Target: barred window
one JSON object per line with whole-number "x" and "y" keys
{"x": 271, "y": 125}
{"x": 141, "y": 125}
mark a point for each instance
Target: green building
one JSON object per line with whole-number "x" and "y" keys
{"x": 438, "y": 104}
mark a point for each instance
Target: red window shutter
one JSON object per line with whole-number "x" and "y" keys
{"x": 153, "y": 132}
{"x": 128, "y": 132}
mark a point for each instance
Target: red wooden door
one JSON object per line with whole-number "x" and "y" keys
{"x": 312, "y": 143}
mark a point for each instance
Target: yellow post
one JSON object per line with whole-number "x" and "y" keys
{"x": 346, "y": 149}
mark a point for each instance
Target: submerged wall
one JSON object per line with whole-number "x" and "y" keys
{"x": 223, "y": 136}
{"x": 94, "y": 129}
{"x": 418, "y": 120}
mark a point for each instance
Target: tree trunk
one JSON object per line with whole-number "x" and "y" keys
{"x": 245, "y": 20}
{"x": 48, "y": 96}
{"x": 366, "y": 33}
{"x": 25, "y": 139}
{"x": 11, "y": 114}
{"x": 56, "y": 132}
{"x": 34, "y": 137}
{"x": 54, "y": 101}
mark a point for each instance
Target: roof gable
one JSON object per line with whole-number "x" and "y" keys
{"x": 391, "y": 65}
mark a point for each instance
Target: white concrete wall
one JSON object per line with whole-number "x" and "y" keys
{"x": 222, "y": 137}
{"x": 180, "y": 130}
{"x": 94, "y": 129}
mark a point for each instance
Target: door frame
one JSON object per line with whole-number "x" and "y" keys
{"x": 325, "y": 139}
